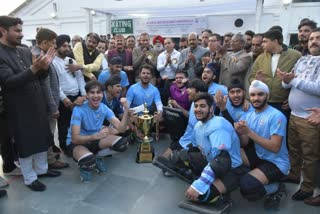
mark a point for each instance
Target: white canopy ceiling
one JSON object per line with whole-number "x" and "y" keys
{"x": 171, "y": 8}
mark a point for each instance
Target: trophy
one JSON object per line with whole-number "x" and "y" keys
{"x": 144, "y": 123}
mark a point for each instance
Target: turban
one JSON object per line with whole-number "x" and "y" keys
{"x": 235, "y": 83}
{"x": 214, "y": 68}
{"x": 61, "y": 39}
{"x": 258, "y": 85}
{"x": 116, "y": 61}
{"x": 158, "y": 37}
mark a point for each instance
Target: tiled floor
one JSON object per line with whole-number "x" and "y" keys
{"x": 127, "y": 188}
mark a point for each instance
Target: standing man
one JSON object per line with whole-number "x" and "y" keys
{"x": 131, "y": 42}
{"x": 167, "y": 65}
{"x": 303, "y": 137}
{"x": 46, "y": 39}
{"x": 236, "y": 64}
{"x": 227, "y": 40}
{"x": 144, "y": 54}
{"x": 268, "y": 160}
{"x": 305, "y": 28}
{"x": 125, "y": 55}
{"x": 205, "y": 34}
{"x": 249, "y": 36}
{"x": 72, "y": 92}
{"x": 75, "y": 40}
{"x": 276, "y": 55}
{"x": 190, "y": 58}
{"x": 88, "y": 58}
{"x": 20, "y": 82}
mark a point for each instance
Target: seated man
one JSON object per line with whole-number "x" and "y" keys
{"x": 182, "y": 142}
{"x": 218, "y": 165}
{"x": 111, "y": 95}
{"x": 235, "y": 105}
{"x": 178, "y": 93}
{"x": 209, "y": 75}
{"x": 115, "y": 68}
{"x": 144, "y": 92}
{"x": 269, "y": 160}
{"x": 87, "y": 135}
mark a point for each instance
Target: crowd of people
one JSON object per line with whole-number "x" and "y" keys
{"x": 252, "y": 105}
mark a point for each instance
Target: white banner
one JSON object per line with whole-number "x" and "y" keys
{"x": 173, "y": 27}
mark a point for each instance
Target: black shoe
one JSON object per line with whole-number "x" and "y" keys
{"x": 50, "y": 173}
{"x": 37, "y": 186}
{"x": 301, "y": 195}
{"x": 272, "y": 201}
{"x": 3, "y": 193}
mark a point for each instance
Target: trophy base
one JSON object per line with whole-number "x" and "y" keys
{"x": 145, "y": 152}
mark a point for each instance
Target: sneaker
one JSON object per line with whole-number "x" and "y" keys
{"x": 50, "y": 174}
{"x": 85, "y": 176}
{"x": 37, "y": 186}
{"x": 100, "y": 166}
{"x": 58, "y": 165}
{"x": 272, "y": 201}
{"x": 300, "y": 195}
{"x": 3, "y": 182}
{"x": 16, "y": 171}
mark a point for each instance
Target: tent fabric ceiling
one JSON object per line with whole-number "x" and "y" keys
{"x": 179, "y": 8}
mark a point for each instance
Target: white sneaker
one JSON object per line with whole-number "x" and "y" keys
{"x": 16, "y": 171}
{"x": 3, "y": 182}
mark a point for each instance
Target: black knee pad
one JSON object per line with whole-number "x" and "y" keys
{"x": 221, "y": 164}
{"x": 88, "y": 163}
{"x": 121, "y": 145}
{"x": 251, "y": 188}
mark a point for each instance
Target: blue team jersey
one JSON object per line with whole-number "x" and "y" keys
{"x": 105, "y": 75}
{"x": 114, "y": 105}
{"x": 214, "y": 87}
{"x": 186, "y": 139}
{"x": 90, "y": 120}
{"x": 138, "y": 95}
{"x": 265, "y": 124}
{"x": 211, "y": 138}
{"x": 236, "y": 112}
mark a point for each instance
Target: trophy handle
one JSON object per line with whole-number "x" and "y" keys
{"x": 157, "y": 127}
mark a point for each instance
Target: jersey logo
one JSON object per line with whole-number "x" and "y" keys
{"x": 221, "y": 147}
{"x": 261, "y": 123}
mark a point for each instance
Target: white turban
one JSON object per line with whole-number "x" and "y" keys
{"x": 258, "y": 85}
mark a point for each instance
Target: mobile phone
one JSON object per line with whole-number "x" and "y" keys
{"x": 70, "y": 61}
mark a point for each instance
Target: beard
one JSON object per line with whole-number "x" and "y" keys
{"x": 158, "y": 47}
{"x": 241, "y": 103}
{"x": 262, "y": 105}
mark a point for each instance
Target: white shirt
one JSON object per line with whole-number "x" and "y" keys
{"x": 170, "y": 69}
{"x": 70, "y": 83}
{"x": 274, "y": 63}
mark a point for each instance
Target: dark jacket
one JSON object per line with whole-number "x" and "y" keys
{"x": 24, "y": 101}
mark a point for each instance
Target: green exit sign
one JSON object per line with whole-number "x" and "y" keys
{"x": 122, "y": 26}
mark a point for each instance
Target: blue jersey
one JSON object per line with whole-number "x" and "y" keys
{"x": 138, "y": 95}
{"x": 214, "y": 87}
{"x": 105, "y": 75}
{"x": 186, "y": 139}
{"x": 90, "y": 120}
{"x": 114, "y": 105}
{"x": 211, "y": 138}
{"x": 265, "y": 124}
{"x": 236, "y": 112}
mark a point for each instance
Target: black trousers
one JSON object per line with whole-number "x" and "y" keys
{"x": 64, "y": 122}
{"x": 8, "y": 152}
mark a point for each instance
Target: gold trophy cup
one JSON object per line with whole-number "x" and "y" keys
{"x": 145, "y": 153}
